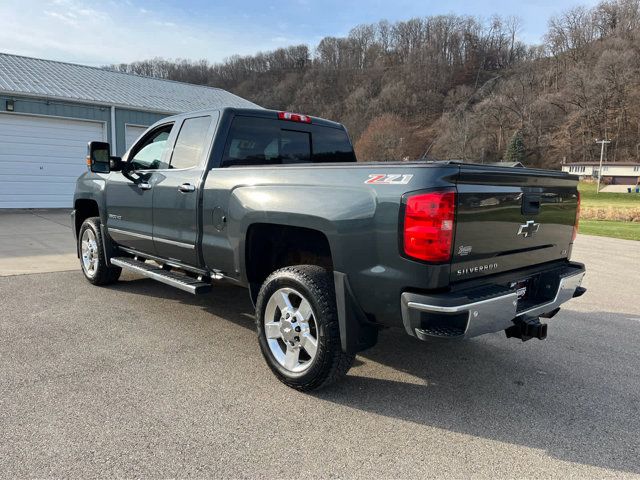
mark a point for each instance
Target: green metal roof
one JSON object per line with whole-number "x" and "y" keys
{"x": 26, "y": 76}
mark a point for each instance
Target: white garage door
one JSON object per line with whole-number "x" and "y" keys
{"x": 41, "y": 158}
{"x": 132, "y": 133}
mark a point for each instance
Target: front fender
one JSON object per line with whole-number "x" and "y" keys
{"x": 91, "y": 186}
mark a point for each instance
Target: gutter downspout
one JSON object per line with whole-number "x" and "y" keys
{"x": 113, "y": 131}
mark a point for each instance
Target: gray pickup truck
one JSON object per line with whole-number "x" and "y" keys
{"x": 330, "y": 250}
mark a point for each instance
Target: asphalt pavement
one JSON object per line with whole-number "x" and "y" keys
{"x": 141, "y": 380}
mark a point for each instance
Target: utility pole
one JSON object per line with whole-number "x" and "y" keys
{"x": 602, "y": 144}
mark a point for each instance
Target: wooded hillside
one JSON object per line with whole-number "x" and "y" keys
{"x": 455, "y": 87}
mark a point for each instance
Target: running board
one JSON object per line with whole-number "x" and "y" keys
{"x": 177, "y": 280}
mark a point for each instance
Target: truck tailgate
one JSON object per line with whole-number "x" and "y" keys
{"x": 511, "y": 218}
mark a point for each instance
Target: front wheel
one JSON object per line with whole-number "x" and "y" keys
{"x": 93, "y": 258}
{"x": 297, "y": 324}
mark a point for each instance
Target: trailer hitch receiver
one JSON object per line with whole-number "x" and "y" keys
{"x": 525, "y": 328}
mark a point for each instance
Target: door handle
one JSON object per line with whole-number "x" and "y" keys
{"x": 144, "y": 186}
{"x": 186, "y": 188}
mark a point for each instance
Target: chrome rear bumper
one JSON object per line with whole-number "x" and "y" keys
{"x": 487, "y": 310}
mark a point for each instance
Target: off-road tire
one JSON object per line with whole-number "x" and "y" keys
{"x": 316, "y": 285}
{"x": 104, "y": 275}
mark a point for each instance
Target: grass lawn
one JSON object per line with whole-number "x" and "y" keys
{"x": 589, "y": 198}
{"x": 618, "y": 202}
{"x": 606, "y": 228}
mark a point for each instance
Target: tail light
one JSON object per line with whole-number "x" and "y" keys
{"x": 294, "y": 117}
{"x": 577, "y": 223}
{"x": 428, "y": 225}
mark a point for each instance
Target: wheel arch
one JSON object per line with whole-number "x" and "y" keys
{"x": 270, "y": 246}
{"x": 84, "y": 208}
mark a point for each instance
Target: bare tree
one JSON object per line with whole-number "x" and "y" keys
{"x": 459, "y": 85}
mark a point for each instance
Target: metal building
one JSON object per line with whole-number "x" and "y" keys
{"x": 50, "y": 110}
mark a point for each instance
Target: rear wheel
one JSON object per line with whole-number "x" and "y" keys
{"x": 297, "y": 323}
{"x": 93, "y": 258}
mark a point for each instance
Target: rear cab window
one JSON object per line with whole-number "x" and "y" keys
{"x": 264, "y": 141}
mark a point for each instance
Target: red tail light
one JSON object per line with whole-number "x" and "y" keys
{"x": 294, "y": 117}
{"x": 575, "y": 225}
{"x": 428, "y": 225}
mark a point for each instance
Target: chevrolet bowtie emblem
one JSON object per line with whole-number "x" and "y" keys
{"x": 528, "y": 229}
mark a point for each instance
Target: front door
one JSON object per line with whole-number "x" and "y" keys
{"x": 176, "y": 193}
{"x": 130, "y": 195}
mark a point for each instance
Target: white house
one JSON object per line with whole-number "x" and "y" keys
{"x": 614, "y": 173}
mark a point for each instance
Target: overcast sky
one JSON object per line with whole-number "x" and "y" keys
{"x": 112, "y": 31}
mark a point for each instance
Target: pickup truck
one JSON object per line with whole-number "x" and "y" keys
{"x": 330, "y": 249}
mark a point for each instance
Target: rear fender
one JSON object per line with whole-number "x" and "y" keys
{"x": 336, "y": 212}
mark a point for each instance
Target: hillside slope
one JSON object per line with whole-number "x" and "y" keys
{"x": 455, "y": 86}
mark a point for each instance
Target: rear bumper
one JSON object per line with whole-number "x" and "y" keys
{"x": 487, "y": 309}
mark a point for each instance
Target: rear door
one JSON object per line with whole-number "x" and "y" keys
{"x": 176, "y": 224}
{"x": 511, "y": 218}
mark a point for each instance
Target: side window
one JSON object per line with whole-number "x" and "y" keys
{"x": 148, "y": 154}
{"x": 190, "y": 143}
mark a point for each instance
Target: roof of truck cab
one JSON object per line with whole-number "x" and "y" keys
{"x": 251, "y": 112}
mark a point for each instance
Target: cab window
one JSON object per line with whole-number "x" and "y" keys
{"x": 263, "y": 141}
{"x": 148, "y": 155}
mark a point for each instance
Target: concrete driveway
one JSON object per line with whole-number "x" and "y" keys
{"x": 36, "y": 241}
{"x": 139, "y": 379}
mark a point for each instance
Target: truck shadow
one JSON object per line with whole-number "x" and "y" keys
{"x": 226, "y": 301}
{"x": 565, "y": 396}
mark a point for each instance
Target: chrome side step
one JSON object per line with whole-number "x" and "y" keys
{"x": 177, "y": 280}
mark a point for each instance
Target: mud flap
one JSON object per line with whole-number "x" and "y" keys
{"x": 108, "y": 245}
{"x": 357, "y": 332}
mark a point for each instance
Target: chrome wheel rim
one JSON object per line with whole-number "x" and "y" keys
{"x": 89, "y": 252}
{"x": 291, "y": 330}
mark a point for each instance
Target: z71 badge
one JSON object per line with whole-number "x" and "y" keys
{"x": 395, "y": 179}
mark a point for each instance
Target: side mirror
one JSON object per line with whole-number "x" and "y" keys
{"x": 98, "y": 157}
{"x": 116, "y": 164}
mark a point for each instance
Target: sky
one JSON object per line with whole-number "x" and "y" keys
{"x": 100, "y": 32}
